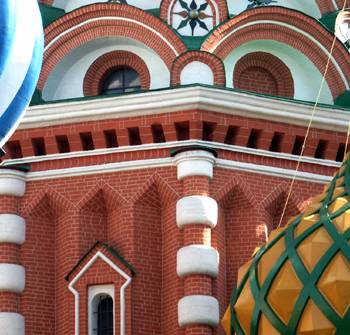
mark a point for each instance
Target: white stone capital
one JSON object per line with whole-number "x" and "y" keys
{"x": 198, "y": 309}
{"x": 196, "y": 209}
{"x": 12, "y": 182}
{"x": 11, "y": 324}
{"x": 12, "y": 229}
{"x": 197, "y": 259}
{"x": 194, "y": 163}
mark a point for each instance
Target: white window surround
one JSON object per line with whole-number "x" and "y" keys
{"x": 128, "y": 279}
{"x": 94, "y": 292}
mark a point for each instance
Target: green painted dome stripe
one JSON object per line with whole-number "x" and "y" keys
{"x": 309, "y": 280}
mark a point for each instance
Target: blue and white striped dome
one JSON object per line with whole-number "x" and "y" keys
{"x": 21, "y": 53}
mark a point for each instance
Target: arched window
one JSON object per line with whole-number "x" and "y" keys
{"x": 122, "y": 80}
{"x": 101, "y": 310}
{"x": 105, "y": 316}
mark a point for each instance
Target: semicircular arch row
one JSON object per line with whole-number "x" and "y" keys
{"x": 102, "y": 20}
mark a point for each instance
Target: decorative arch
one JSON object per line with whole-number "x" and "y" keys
{"x": 274, "y": 203}
{"x": 167, "y": 194}
{"x": 289, "y": 27}
{"x": 277, "y": 71}
{"x": 103, "y": 65}
{"x": 217, "y": 5}
{"x": 212, "y": 61}
{"x": 236, "y": 183}
{"x": 103, "y": 20}
{"x": 46, "y": 200}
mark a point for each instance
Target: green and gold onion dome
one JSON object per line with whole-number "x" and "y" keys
{"x": 299, "y": 282}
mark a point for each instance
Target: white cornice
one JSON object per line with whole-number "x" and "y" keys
{"x": 170, "y": 162}
{"x": 170, "y": 145}
{"x": 182, "y": 99}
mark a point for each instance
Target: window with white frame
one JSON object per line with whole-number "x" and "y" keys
{"x": 101, "y": 310}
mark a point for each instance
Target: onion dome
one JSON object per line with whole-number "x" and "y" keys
{"x": 342, "y": 26}
{"x": 299, "y": 282}
{"x": 21, "y": 53}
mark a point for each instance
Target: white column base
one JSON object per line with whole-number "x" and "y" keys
{"x": 196, "y": 209}
{"x": 11, "y": 324}
{"x": 12, "y": 278}
{"x": 12, "y": 229}
{"x": 197, "y": 259}
{"x": 198, "y": 309}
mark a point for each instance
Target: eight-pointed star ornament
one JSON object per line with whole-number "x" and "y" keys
{"x": 192, "y": 17}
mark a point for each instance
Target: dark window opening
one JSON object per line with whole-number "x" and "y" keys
{"x": 110, "y": 138}
{"x": 14, "y": 149}
{"x": 122, "y": 80}
{"x": 231, "y": 135}
{"x": 298, "y": 145}
{"x": 254, "y": 137}
{"x": 182, "y": 131}
{"x": 62, "y": 144}
{"x": 87, "y": 142}
{"x": 340, "y": 152}
{"x": 158, "y": 133}
{"x": 321, "y": 149}
{"x": 276, "y": 142}
{"x": 208, "y": 131}
{"x": 134, "y": 136}
{"x": 105, "y": 316}
{"x": 39, "y": 146}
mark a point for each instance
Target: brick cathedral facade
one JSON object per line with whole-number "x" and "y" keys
{"x": 157, "y": 154}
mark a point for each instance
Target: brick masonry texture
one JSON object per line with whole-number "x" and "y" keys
{"x": 264, "y": 73}
{"x": 134, "y": 212}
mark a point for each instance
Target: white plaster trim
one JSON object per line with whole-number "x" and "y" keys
{"x": 170, "y": 145}
{"x": 12, "y": 229}
{"x": 194, "y": 163}
{"x": 198, "y": 309}
{"x": 196, "y": 209}
{"x": 12, "y": 324}
{"x": 122, "y": 290}
{"x": 110, "y": 18}
{"x": 12, "y": 278}
{"x": 283, "y": 24}
{"x": 168, "y": 162}
{"x": 182, "y": 99}
{"x": 12, "y": 183}
{"x": 273, "y": 171}
{"x": 197, "y": 259}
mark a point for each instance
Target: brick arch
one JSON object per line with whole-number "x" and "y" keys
{"x": 243, "y": 29}
{"x": 55, "y": 202}
{"x": 222, "y": 5}
{"x": 104, "y": 20}
{"x": 110, "y": 61}
{"x": 212, "y": 61}
{"x": 279, "y": 73}
{"x": 274, "y": 203}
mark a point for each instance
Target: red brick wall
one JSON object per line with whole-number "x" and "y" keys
{"x": 134, "y": 211}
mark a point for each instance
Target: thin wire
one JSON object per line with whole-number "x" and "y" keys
{"x": 309, "y": 125}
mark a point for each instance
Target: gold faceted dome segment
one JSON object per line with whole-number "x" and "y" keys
{"x": 299, "y": 282}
